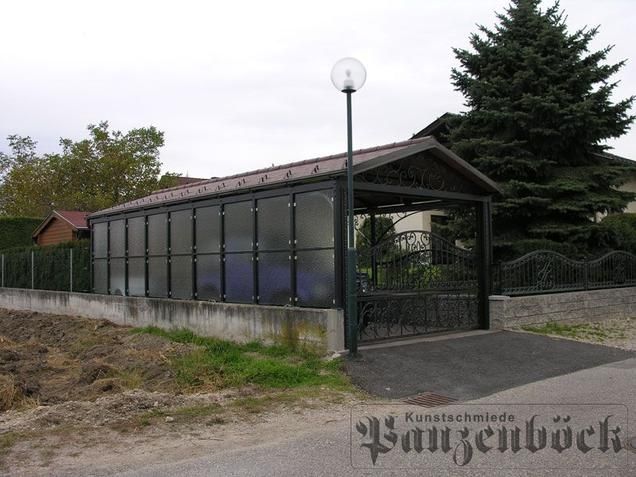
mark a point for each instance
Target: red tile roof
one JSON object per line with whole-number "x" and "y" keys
{"x": 75, "y": 217}
{"x": 284, "y": 174}
{"x": 291, "y": 172}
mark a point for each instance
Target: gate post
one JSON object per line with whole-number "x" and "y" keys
{"x": 374, "y": 262}
{"x": 484, "y": 254}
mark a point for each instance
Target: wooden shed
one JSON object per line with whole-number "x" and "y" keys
{"x": 62, "y": 226}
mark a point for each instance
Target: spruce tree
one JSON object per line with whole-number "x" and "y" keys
{"x": 540, "y": 108}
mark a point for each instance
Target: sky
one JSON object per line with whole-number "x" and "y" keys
{"x": 240, "y": 85}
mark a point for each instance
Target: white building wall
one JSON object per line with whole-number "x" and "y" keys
{"x": 630, "y": 186}
{"x": 418, "y": 221}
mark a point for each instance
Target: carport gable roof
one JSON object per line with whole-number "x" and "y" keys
{"x": 308, "y": 171}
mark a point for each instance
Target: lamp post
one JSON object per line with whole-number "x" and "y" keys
{"x": 348, "y": 75}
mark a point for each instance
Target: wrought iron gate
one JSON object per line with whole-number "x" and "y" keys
{"x": 415, "y": 282}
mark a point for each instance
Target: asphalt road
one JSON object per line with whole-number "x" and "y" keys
{"x": 474, "y": 366}
{"x": 325, "y": 451}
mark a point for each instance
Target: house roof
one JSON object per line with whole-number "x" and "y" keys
{"x": 187, "y": 180}
{"x": 617, "y": 159}
{"x": 75, "y": 218}
{"x": 440, "y": 126}
{"x": 435, "y": 128}
{"x": 303, "y": 171}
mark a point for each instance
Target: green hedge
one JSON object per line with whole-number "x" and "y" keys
{"x": 618, "y": 232}
{"x": 51, "y": 267}
{"x": 17, "y": 231}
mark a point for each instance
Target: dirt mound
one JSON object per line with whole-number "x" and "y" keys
{"x": 50, "y": 359}
{"x": 107, "y": 410}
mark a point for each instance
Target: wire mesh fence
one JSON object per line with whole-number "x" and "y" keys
{"x": 49, "y": 268}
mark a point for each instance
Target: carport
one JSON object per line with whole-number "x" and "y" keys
{"x": 275, "y": 236}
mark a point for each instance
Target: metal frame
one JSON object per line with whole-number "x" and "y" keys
{"x": 406, "y": 199}
{"x": 289, "y": 192}
{"x": 428, "y": 199}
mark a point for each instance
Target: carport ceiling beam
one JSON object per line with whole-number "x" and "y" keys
{"x": 394, "y": 209}
{"x": 419, "y": 192}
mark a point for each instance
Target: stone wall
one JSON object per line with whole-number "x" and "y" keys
{"x": 323, "y": 328}
{"x": 584, "y": 306}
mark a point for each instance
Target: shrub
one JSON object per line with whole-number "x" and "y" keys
{"x": 51, "y": 266}
{"x": 17, "y": 231}
{"x": 617, "y": 232}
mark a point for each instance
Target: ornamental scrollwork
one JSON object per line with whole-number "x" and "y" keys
{"x": 431, "y": 175}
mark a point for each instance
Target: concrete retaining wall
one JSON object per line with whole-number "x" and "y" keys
{"x": 584, "y": 306}
{"x": 270, "y": 324}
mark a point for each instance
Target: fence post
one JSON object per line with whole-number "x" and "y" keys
{"x": 71, "y": 270}
{"x": 32, "y": 270}
{"x": 3, "y": 270}
{"x": 586, "y": 268}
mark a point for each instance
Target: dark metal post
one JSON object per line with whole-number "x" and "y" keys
{"x": 484, "y": 249}
{"x": 293, "y": 299}
{"x": 70, "y": 273}
{"x": 193, "y": 254}
{"x": 126, "y": 264}
{"x": 32, "y": 271}
{"x": 374, "y": 262}
{"x": 352, "y": 314}
{"x": 108, "y": 258}
{"x": 256, "y": 294}
{"x": 169, "y": 253}
{"x": 222, "y": 251}
{"x": 146, "y": 258}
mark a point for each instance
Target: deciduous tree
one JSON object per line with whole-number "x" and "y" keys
{"x": 105, "y": 169}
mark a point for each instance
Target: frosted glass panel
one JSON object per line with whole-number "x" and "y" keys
{"x": 239, "y": 279}
{"x": 117, "y": 238}
{"x": 100, "y": 239}
{"x": 209, "y": 277}
{"x": 181, "y": 277}
{"x": 181, "y": 232}
{"x": 314, "y": 220}
{"x": 136, "y": 276}
{"x": 274, "y": 278}
{"x": 136, "y": 237}
{"x": 238, "y": 227}
{"x": 118, "y": 276}
{"x": 158, "y": 276}
{"x": 100, "y": 278}
{"x": 208, "y": 229}
{"x": 315, "y": 278}
{"x": 157, "y": 234}
{"x": 273, "y": 223}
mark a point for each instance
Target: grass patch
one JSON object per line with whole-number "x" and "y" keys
{"x": 304, "y": 397}
{"x": 83, "y": 344}
{"x": 7, "y": 441}
{"x": 218, "y": 364}
{"x": 210, "y": 414}
{"x": 11, "y": 396}
{"x": 584, "y": 331}
{"x": 128, "y": 378}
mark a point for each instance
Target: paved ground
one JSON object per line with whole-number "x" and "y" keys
{"x": 324, "y": 451}
{"x": 476, "y": 366}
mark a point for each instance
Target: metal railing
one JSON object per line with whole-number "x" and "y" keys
{"x": 544, "y": 271}
{"x": 55, "y": 268}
